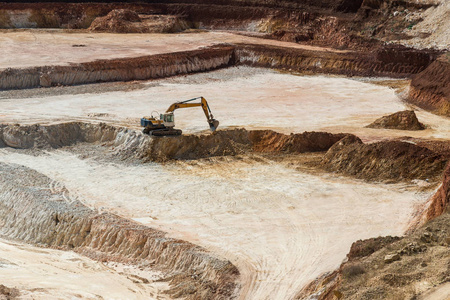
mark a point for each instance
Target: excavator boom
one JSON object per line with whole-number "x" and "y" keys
{"x": 213, "y": 123}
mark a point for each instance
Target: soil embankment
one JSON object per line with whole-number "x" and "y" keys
{"x": 378, "y": 63}
{"x": 140, "y": 68}
{"x": 129, "y": 143}
{"x": 390, "y": 161}
{"x": 430, "y": 89}
{"x": 34, "y": 212}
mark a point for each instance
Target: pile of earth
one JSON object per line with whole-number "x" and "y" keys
{"x": 127, "y": 21}
{"x": 402, "y": 120}
{"x": 388, "y": 161}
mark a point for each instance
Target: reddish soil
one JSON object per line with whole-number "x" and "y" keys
{"x": 430, "y": 89}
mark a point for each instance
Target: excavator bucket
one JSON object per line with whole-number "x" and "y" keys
{"x": 213, "y": 124}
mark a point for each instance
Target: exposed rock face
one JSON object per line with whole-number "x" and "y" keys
{"x": 385, "y": 161}
{"x": 402, "y": 120}
{"x": 430, "y": 89}
{"x": 32, "y": 210}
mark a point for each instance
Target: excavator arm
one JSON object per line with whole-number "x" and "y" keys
{"x": 213, "y": 123}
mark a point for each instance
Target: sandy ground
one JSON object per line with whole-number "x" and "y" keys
{"x": 30, "y": 48}
{"x": 280, "y": 227}
{"x": 40, "y": 273}
{"x": 239, "y": 97}
{"x": 281, "y": 230}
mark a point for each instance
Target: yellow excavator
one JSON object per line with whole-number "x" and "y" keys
{"x": 164, "y": 125}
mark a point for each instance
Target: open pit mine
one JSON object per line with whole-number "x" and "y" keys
{"x": 327, "y": 178}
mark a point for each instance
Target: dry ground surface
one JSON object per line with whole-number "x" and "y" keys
{"x": 280, "y": 226}
{"x": 39, "y": 47}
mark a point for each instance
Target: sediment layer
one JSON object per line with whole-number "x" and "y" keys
{"x": 327, "y": 62}
{"x": 140, "y": 68}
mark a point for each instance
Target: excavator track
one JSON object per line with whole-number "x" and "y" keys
{"x": 166, "y": 132}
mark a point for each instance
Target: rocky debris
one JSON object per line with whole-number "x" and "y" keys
{"x": 412, "y": 248}
{"x": 430, "y": 89}
{"x": 428, "y": 237}
{"x": 402, "y": 120}
{"x": 127, "y": 21}
{"x": 362, "y": 248}
{"x": 8, "y": 293}
{"x": 390, "y": 161}
{"x": 391, "y": 258}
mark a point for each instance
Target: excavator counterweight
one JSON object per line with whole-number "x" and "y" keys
{"x": 165, "y": 124}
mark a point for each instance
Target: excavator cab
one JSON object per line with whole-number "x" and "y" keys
{"x": 168, "y": 119}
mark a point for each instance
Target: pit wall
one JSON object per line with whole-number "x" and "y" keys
{"x": 132, "y": 144}
{"x": 431, "y": 88}
{"x": 164, "y": 65}
{"x": 126, "y": 69}
{"x": 34, "y": 212}
{"x": 339, "y": 62}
